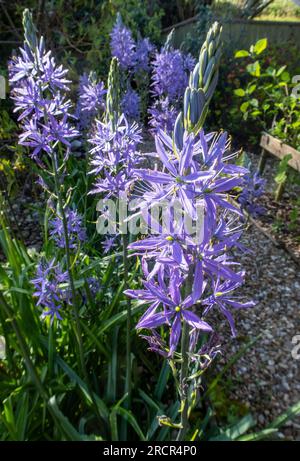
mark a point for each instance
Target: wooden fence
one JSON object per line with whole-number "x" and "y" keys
{"x": 238, "y": 34}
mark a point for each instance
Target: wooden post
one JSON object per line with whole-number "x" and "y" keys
{"x": 262, "y": 161}
{"x": 279, "y": 190}
{"x": 276, "y": 147}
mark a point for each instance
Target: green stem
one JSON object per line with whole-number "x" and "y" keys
{"x": 128, "y": 341}
{"x": 68, "y": 258}
{"x": 128, "y": 326}
{"x": 185, "y": 368}
{"x": 183, "y": 383}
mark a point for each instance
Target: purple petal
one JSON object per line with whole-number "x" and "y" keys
{"x": 163, "y": 156}
{"x": 198, "y": 282}
{"x": 238, "y": 305}
{"x": 175, "y": 334}
{"x": 154, "y": 176}
{"x": 194, "y": 321}
{"x": 152, "y": 321}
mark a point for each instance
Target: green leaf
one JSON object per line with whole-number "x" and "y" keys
{"x": 220, "y": 438}
{"x": 251, "y": 89}
{"x": 254, "y": 69}
{"x": 119, "y": 318}
{"x": 148, "y": 400}
{"x": 235, "y": 431}
{"x": 260, "y": 46}
{"x": 253, "y": 437}
{"x": 239, "y": 92}
{"x": 281, "y": 177}
{"x": 241, "y": 427}
{"x": 126, "y": 414}
{"x": 22, "y": 415}
{"x": 114, "y": 426}
{"x": 162, "y": 380}
{"x": 285, "y": 77}
{"x": 244, "y": 107}
{"x": 153, "y": 426}
{"x": 75, "y": 378}
{"x": 9, "y": 418}
{"x": 254, "y": 102}
{"x": 66, "y": 427}
{"x": 95, "y": 340}
{"x": 290, "y": 413}
{"x": 279, "y": 71}
{"x": 200, "y": 430}
{"x": 241, "y": 54}
{"x": 112, "y": 374}
{"x": 255, "y": 113}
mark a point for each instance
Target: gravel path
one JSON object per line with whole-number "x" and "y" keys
{"x": 267, "y": 377}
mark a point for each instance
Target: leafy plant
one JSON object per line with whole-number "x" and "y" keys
{"x": 267, "y": 96}
{"x": 282, "y": 175}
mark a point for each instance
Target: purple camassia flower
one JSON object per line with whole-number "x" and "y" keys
{"x": 91, "y": 100}
{"x": 82, "y": 117}
{"x": 122, "y": 45}
{"x": 253, "y": 188}
{"x": 93, "y": 285}
{"x": 156, "y": 343}
{"x": 76, "y": 231}
{"x": 175, "y": 310}
{"x": 108, "y": 244}
{"x": 36, "y": 83}
{"x": 144, "y": 48}
{"x": 130, "y": 104}
{"x": 41, "y": 66}
{"x": 42, "y": 137}
{"x": 193, "y": 181}
{"x": 196, "y": 172}
{"x": 170, "y": 73}
{"x": 115, "y": 156}
{"x": 48, "y": 285}
{"x": 163, "y": 116}
{"x": 223, "y": 298}
{"x": 207, "y": 352}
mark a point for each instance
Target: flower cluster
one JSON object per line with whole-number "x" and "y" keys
{"x": 52, "y": 290}
{"x": 253, "y": 188}
{"x": 144, "y": 48}
{"x": 171, "y": 70}
{"x": 188, "y": 273}
{"x": 90, "y": 100}
{"x": 162, "y": 116}
{"x": 122, "y": 44}
{"x": 132, "y": 56}
{"x": 114, "y": 156}
{"x": 130, "y": 104}
{"x": 170, "y": 74}
{"x": 76, "y": 231}
{"x": 38, "y": 86}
